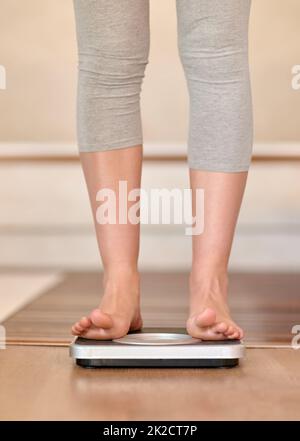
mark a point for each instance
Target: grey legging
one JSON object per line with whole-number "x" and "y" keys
{"x": 113, "y": 45}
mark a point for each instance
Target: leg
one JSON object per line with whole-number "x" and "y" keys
{"x": 213, "y": 45}
{"x": 209, "y": 314}
{"x": 113, "y": 42}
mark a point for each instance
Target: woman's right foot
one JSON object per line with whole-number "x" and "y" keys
{"x": 118, "y": 313}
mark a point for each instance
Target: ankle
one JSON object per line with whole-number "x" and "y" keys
{"x": 206, "y": 281}
{"x": 119, "y": 276}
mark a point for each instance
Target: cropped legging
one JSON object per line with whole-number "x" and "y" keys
{"x": 113, "y": 47}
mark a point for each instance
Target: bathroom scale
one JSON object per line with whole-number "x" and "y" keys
{"x": 156, "y": 347}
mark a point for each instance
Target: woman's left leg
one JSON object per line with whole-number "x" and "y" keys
{"x": 213, "y": 46}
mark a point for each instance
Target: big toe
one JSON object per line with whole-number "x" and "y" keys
{"x": 101, "y": 319}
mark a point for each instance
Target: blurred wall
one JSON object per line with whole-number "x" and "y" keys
{"x": 37, "y": 48}
{"x": 46, "y": 221}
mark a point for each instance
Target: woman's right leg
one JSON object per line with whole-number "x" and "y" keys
{"x": 113, "y": 45}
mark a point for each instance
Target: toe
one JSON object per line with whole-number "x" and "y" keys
{"x": 241, "y": 333}
{"x": 220, "y": 328}
{"x": 210, "y": 334}
{"x": 78, "y": 328}
{"x": 206, "y": 318}
{"x": 85, "y": 322}
{"x": 81, "y": 326}
{"x": 101, "y": 319}
{"x": 74, "y": 331}
{"x": 234, "y": 336}
{"x": 230, "y": 330}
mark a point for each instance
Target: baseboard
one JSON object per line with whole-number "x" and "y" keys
{"x": 151, "y": 149}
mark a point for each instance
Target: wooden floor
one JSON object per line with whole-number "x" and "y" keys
{"x": 266, "y": 306}
{"x": 42, "y": 383}
{"x": 38, "y": 380}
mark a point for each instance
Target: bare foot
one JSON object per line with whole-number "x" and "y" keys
{"x": 209, "y": 312}
{"x": 119, "y": 310}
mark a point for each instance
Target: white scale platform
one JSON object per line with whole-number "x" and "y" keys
{"x": 156, "y": 347}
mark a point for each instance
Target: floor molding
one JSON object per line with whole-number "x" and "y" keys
{"x": 64, "y": 152}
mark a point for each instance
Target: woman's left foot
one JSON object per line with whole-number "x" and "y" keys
{"x": 209, "y": 317}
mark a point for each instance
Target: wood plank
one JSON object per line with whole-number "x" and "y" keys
{"x": 43, "y": 383}
{"x": 266, "y": 305}
{"x": 19, "y": 289}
